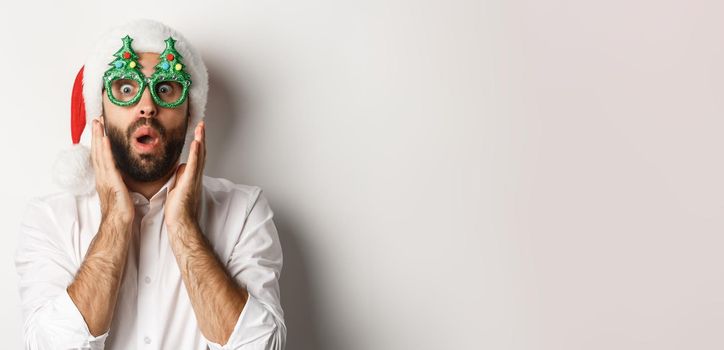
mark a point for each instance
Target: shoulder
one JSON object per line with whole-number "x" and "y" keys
{"x": 54, "y": 204}
{"x": 222, "y": 190}
{"x": 53, "y": 198}
{"x": 50, "y": 217}
{"x": 60, "y": 210}
{"x": 222, "y": 185}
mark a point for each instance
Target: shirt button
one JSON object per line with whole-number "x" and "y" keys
{"x": 147, "y": 279}
{"x": 147, "y": 340}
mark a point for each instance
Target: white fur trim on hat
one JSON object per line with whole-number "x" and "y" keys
{"x": 73, "y": 170}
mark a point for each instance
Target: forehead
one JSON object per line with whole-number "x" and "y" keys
{"x": 148, "y": 61}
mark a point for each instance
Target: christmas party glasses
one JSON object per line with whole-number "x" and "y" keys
{"x": 169, "y": 84}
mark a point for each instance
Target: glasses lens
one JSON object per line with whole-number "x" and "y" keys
{"x": 169, "y": 91}
{"x": 124, "y": 90}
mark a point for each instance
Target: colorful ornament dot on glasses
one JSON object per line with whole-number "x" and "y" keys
{"x": 124, "y": 82}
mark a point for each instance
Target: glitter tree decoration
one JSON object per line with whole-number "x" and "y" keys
{"x": 126, "y": 56}
{"x": 171, "y": 68}
{"x": 125, "y": 66}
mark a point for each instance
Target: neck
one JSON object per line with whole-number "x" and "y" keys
{"x": 150, "y": 188}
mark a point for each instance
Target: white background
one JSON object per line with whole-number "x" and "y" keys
{"x": 444, "y": 174}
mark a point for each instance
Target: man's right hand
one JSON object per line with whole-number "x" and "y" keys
{"x": 116, "y": 204}
{"x": 96, "y": 285}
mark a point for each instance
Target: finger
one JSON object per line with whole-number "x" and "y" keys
{"x": 102, "y": 121}
{"x": 93, "y": 140}
{"x": 187, "y": 178}
{"x": 196, "y": 145}
{"x": 191, "y": 164}
{"x": 203, "y": 135}
{"x": 202, "y": 151}
{"x": 103, "y": 128}
{"x": 200, "y": 132}
{"x": 102, "y": 133}
{"x": 95, "y": 144}
{"x": 197, "y": 131}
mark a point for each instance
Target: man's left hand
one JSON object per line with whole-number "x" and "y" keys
{"x": 182, "y": 201}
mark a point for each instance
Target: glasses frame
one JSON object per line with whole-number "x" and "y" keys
{"x": 143, "y": 82}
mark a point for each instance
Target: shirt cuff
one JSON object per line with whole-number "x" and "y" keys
{"x": 255, "y": 323}
{"x": 65, "y": 307}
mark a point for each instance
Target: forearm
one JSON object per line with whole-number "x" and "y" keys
{"x": 97, "y": 282}
{"x": 216, "y": 298}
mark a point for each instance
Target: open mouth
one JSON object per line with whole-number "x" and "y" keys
{"x": 145, "y": 138}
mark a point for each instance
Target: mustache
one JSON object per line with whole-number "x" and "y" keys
{"x": 152, "y": 122}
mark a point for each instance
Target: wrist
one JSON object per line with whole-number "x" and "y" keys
{"x": 119, "y": 221}
{"x": 115, "y": 228}
{"x": 181, "y": 225}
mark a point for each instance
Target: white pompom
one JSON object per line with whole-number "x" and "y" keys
{"x": 73, "y": 170}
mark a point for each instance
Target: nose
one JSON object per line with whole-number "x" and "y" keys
{"x": 147, "y": 107}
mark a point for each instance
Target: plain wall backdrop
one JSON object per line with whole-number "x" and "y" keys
{"x": 444, "y": 174}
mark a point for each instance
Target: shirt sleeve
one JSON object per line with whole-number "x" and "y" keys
{"x": 256, "y": 264}
{"x": 45, "y": 268}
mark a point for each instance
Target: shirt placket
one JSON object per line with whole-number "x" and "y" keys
{"x": 149, "y": 230}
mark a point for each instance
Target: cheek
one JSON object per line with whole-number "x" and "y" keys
{"x": 177, "y": 117}
{"x": 111, "y": 111}
{"x": 174, "y": 123}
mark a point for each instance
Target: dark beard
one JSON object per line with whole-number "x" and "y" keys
{"x": 146, "y": 167}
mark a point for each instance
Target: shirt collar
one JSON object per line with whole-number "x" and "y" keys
{"x": 139, "y": 199}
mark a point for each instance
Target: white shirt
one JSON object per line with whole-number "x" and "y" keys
{"x": 153, "y": 310}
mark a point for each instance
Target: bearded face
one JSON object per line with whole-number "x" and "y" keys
{"x": 146, "y": 151}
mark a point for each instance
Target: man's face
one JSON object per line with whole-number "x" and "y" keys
{"x": 146, "y": 140}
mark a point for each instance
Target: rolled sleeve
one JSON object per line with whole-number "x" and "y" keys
{"x": 62, "y": 326}
{"x": 45, "y": 268}
{"x": 256, "y": 329}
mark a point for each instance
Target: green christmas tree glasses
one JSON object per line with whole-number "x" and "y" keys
{"x": 169, "y": 83}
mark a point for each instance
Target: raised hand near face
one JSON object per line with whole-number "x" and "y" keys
{"x": 115, "y": 200}
{"x": 182, "y": 201}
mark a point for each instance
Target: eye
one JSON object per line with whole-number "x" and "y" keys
{"x": 126, "y": 88}
{"x": 164, "y": 88}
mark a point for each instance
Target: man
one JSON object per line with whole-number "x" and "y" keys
{"x": 153, "y": 254}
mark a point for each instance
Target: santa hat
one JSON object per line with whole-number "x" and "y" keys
{"x": 73, "y": 170}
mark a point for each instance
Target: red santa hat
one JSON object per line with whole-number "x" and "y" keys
{"x": 73, "y": 170}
